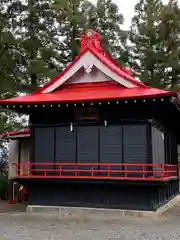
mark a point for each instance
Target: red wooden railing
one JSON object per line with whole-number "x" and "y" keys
{"x": 95, "y": 171}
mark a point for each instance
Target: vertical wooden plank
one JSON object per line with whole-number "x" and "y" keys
{"x": 87, "y": 146}
{"x": 111, "y": 148}
{"x": 65, "y": 148}
{"x": 44, "y": 147}
{"x": 135, "y": 147}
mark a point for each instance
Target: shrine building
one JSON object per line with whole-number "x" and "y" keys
{"x": 97, "y": 137}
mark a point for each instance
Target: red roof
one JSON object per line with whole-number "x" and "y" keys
{"x": 89, "y": 92}
{"x": 93, "y": 91}
{"x": 106, "y": 60}
{"x": 24, "y": 133}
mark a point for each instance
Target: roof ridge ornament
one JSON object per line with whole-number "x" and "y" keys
{"x": 90, "y": 39}
{"x": 88, "y": 67}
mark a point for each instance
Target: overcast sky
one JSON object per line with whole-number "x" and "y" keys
{"x": 127, "y": 8}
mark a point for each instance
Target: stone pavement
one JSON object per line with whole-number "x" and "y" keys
{"x": 5, "y": 207}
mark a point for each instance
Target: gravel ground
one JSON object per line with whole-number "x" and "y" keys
{"x": 25, "y": 226}
{"x": 6, "y": 207}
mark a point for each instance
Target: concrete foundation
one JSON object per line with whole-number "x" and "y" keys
{"x": 110, "y": 213}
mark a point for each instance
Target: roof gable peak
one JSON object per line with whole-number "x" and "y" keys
{"x": 92, "y": 54}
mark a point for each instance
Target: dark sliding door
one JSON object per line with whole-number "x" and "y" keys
{"x": 43, "y": 148}
{"x": 135, "y": 147}
{"x": 111, "y": 147}
{"x": 44, "y": 144}
{"x": 87, "y": 146}
{"x": 65, "y": 148}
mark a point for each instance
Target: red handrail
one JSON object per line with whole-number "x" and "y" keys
{"x": 93, "y": 164}
{"x": 123, "y": 171}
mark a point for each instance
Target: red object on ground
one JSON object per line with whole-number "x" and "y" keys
{"x": 22, "y": 193}
{"x": 13, "y": 201}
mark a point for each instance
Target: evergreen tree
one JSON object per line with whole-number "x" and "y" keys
{"x": 8, "y": 53}
{"x": 71, "y": 21}
{"x": 8, "y": 64}
{"x": 108, "y": 22}
{"x": 11, "y": 69}
{"x": 33, "y": 25}
{"x": 169, "y": 34}
{"x": 156, "y": 43}
{"x": 144, "y": 36}
{"x": 79, "y": 15}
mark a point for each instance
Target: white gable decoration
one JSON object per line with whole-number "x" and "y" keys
{"x": 84, "y": 76}
{"x": 88, "y": 67}
{"x": 87, "y": 61}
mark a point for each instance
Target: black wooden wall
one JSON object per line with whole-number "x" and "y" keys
{"x": 171, "y": 145}
{"x": 164, "y": 146}
{"x": 128, "y": 138}
{"x": 125, "y": 143}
